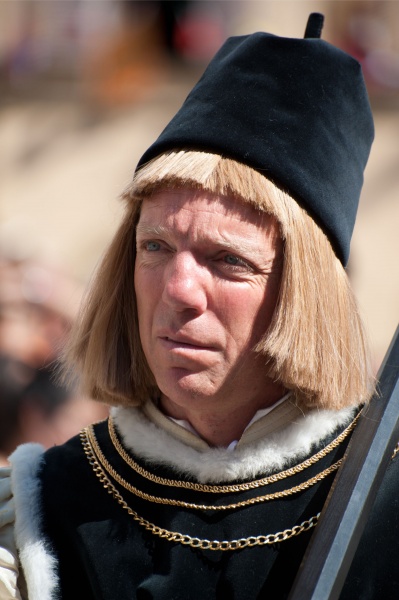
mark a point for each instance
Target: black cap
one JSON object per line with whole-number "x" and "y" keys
{"x": 296, "y": 110}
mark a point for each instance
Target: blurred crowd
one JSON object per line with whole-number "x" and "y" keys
{"x": 113, "y": 49}
{"x": 108, "y": 51}
{"x": 35, "y": 316}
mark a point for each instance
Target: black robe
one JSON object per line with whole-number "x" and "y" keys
{"x": 104, "y": 551}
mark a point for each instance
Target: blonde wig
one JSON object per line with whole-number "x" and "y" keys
{"x": 315, "y": 345}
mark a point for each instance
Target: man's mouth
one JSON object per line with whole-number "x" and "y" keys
{"x": 185, "y": 342}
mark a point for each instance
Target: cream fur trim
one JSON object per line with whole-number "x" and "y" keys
{"x": 275, "y": 452}
{"x": 37, "y": 563}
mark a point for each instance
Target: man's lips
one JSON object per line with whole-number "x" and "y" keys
{"x": 177, "y": 341}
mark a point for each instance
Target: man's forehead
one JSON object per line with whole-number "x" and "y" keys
{"x": 166, "y": 203}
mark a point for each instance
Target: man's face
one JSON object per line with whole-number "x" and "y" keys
{"x": 207, "y": 278}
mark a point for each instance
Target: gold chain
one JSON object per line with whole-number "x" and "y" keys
{"x": 185, "y": 539}
{"x": 224, "y": 489}
{"x": 95, "y": 454}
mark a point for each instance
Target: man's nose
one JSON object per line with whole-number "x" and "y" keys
{"x": 185, "y": 284}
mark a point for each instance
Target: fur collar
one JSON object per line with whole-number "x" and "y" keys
{"x": 38, "y": 564}
{"x": 275, "y": 452}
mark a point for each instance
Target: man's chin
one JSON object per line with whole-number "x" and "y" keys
{"x": 184, "y": 385}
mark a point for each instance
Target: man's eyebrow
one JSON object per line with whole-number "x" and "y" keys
{"x": 236, "y": 246}
{"x": 152, "y": 229}
{"x": 239, "y": 246}
{"x": 161, "y": 230}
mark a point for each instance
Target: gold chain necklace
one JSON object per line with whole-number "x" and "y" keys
{"x": 185, "y": 539}
{"x": 97, "y": 455}
{"x": 224, "y": 489}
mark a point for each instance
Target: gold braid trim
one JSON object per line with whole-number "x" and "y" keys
{"x": 185, "y": 539}
{"x": 224, "y": 489}
{"x": 95, "y": 454}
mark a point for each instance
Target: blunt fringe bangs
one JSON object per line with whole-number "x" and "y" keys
{"x": 315, "y": 345}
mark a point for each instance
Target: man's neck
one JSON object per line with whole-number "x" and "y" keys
{"x": 218, "y": 427}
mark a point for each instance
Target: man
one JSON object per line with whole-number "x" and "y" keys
{"x": 222, "y": 326}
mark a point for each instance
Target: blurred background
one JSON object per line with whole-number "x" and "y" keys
{"x": 86, "y": 86}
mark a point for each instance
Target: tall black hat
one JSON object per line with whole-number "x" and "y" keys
{"x": 296, "y": 110}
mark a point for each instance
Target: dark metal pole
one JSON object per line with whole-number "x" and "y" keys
{"x": 344, "y": 516}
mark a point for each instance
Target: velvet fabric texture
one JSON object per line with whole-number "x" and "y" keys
{"x": 102, "y": 553}
{"x": 296, "y": 110}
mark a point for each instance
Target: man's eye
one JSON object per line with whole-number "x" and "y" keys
{"x": 231, "y": 259}
{"x": 235, "y": 264}
{"x": 235, "y": 261}
{"x": 152, "y": 246}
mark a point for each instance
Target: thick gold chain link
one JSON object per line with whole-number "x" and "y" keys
{"x": 96, "y": 454}
{"x": 224, "y": 489}
{"x": 185, "y": 539}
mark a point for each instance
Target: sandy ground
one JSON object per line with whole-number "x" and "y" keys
{"x": 63, "y": 166}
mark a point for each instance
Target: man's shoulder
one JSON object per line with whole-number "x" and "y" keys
{"x": 67, "y": 455}
{"x": 61, "y": 466}
{"x": 67, "y": 463}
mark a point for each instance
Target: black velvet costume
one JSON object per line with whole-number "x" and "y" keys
{"x": 103, "y": 553}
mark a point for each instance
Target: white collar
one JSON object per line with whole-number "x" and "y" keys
{"x": 272, "y": 443}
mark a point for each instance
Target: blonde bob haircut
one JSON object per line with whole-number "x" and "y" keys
{"x": 315, "y": 344}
